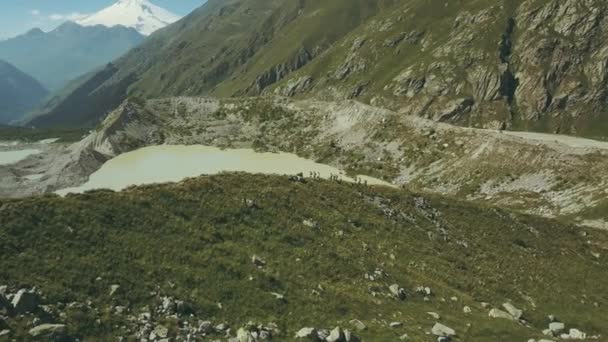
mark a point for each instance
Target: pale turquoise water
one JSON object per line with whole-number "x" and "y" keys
{"x": 167, "y": 163}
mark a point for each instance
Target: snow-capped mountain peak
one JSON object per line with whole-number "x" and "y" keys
{"x": 141, "y": 15}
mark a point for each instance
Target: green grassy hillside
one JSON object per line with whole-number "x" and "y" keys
{"x": 330, "y": 251}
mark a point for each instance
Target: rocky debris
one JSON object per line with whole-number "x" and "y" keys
{"x": 397, "y": 291}
{"x": 114, "y": 289}
{"x": 257, "y": 261}
{"x": 513, "y": 311}
{"x": 25, "y": 301}
{"x": 309, "y": 333}
{"x": 497, "y": 313}
{"x": 48, "y": 330}
{"x": 442, "y": 330}
{"x": 336, "y": 335}
{"x": 556, "y": 328}
{"x": 310, "y": 224}
{"x": 434, "y": 315}
{"x": 424, "y": 290}
{"x": 358, "y": 324}
{"x": 295, "y": 86}
{"x": 395, "y": 324}
{"x": 160, "y": 331}
{"x": 573, "y": 334}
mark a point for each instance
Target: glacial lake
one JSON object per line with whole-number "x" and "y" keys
{"x": 12, "y": 157}
{"x": 172, "y": 163}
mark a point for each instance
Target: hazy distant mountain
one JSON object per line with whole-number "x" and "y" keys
{"x": 141, "y": 15}
{"x": 56, "y": 57}
{"x": 19, "y": 92}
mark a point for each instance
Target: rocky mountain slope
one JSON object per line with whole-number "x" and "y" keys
{"x": 141, "y": 15}
{"x": 523, "y": 64}
{"x": 64, "y": 54}
{"x": 213, "y": 259}
{"x": 19, "y": 92}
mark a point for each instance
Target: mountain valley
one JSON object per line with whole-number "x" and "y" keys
{"x": 447, "y": 179}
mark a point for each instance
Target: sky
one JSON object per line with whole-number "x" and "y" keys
{"x": 19, "y": 16}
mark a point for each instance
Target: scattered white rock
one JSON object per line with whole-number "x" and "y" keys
{"x": 497, "y": 313}
{"x": 336, "y": 335}
{"x": 358, "y": 324}
{"x": 467, "y": 310}
{"x": 442, "y": 330}
{"x": 557, "y": 327}
{"x": 513, "y": 311}
{"x": 114, "y": 289}
{"x": 434, "y": 315}
{"x": 395, "y": 324}
{"x": 47, "y": 329}
{"x": 306, "y": 333}
{"x": 574, "y": 334}
{"x": 397, "y": 291}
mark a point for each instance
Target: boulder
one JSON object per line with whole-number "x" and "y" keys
{"x": 243, "y": 335}
{"x": 336, "y": 335}
{"x": 358, "y": 324}
{"x": 322, "y": 334}
{"x": 395, "y": 324}
{"x": 307, "y": 333}
{"x": 4, "y": 333}
{"x": 575, "y": 334}
{"x": 497, "y": 313}
{"x": 25, "y": 301}
{"x": 557, "y": 327}
{"x": 113, "y": 289}
{"x": 47, "y": 330}
{"x": 397, "y": 292}
{"x": 442, "y": 330}
{"x": 434, "y": 315}
{"x": 467, "y": 310}
{"x": 513, "y": 311}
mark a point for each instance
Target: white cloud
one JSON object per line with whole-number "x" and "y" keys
{"x": 67, "y": 16}
{"x": 35, "y": 12}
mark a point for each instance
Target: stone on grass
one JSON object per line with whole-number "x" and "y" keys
{"x": 513, "y": 311}
{"x": 310, "y": 333}
{"x": 557, "y": 327}
{"x": 442, "y": 330}
{"x": 358, "y": 324}
{"x": 497, "y": 313}
{"x": 336, "y": 335}
{"x": 48, "y": 330}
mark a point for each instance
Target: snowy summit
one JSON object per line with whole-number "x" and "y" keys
{"x": 141, "y": 15}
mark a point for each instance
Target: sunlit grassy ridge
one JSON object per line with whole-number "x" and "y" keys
{"x": 195, "y": 240}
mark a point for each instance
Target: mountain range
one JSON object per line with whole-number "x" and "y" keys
{"x": 65, "y": 53}
{"x": 19, "y": 92}
{"x": 531, "y": 65}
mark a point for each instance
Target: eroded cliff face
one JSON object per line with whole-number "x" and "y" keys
{"x": 528, "y": 64}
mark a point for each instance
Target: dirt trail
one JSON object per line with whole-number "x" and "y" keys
{"x": 570, "y": 141}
